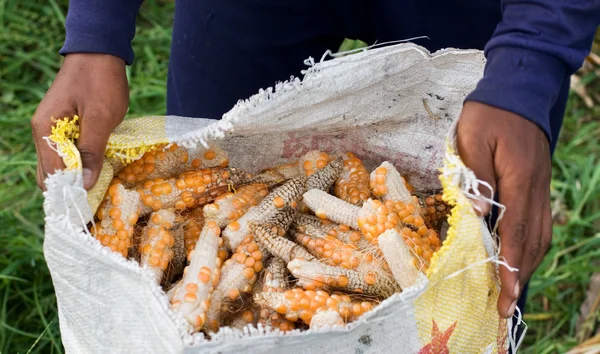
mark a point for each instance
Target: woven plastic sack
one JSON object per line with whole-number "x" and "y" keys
{"x": 396, "y": 103}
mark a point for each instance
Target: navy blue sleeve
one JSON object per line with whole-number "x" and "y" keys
{"x": 101, "y": 26}
{"x": 535, "y": 47}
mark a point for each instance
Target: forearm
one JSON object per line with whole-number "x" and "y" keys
{"x": 537, "y": 44}
{"x": 101, "y": 26}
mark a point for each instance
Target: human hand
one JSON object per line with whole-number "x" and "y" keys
{"x": 94, "y": 87}
{"x": 512, "y": 154}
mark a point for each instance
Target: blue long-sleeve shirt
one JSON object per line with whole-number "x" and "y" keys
{"x": 535, "y": 48}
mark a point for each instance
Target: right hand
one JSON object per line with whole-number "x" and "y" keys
{"x": 93, "y": 87}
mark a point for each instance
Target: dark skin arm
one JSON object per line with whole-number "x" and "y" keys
{"x": 513, "y": 155}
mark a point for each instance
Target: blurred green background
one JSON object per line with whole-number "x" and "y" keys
{"x": 31, "y": 32}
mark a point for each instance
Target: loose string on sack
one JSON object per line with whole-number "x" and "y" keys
{"x": 514, "y": 342}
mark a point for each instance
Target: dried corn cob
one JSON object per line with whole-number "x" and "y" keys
{"x": 316, "y": 275}
{"x": 327, "y": 206}
{"x": 353, "y": 184}
{"x": 275, "y": 280}
{"x": 288, "y": 170}
{"x": 179, "y": 261}
{"x": 285, "y": 195}
{"x": 200, "y": 277}
{"x": 325, "y": 319}
{"x": 304, "y": 304}
{"x": 244, "y": 318}
{"x": 326, "y": 176}
{"x": 399, "y": 257}
{"x": 434, "y": 209}
{"x": 231, "y": 206}
{"x": 158, "y": 242}
{"x": 387, "y": 184}
{"x": 166, "y": 163}
{"x": 312, "y": 162}
{"x": 193, "y": 226}
{"x": 268, "y": 177}
{"x": 304, "y": 219}
{"x": 278, "y": 246}
{"x": 239, "y": 273}
{"x": 173, "y": 290}
{"x": 329, "y": 249}
{"x": 190, "y": 189}
{"x": 117, "y": 215}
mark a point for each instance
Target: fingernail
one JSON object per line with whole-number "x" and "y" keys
{"x": 511, "y": 309}
{"x": 87, "y": 177}
{"x": 517, "y": 289}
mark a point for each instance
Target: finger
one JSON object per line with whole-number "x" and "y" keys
{"x": 93, "y": 137}
{"x": 514, "y": 230}
{"x": 477, "y": 156}
{"x": 48, "y": 159}
{"x": 533, "y": 243}
{"x": 546, "y": 240}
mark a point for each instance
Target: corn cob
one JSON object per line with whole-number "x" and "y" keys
{"x": 313, "y": 161}
{"x": 244, "y": 318}
{"x": 399, "y": 257}
{"x": 434, "y": 209}
{"x": 288, "y": 170}
{"x": 353, "y": 184}
{"x": 173, "y": 290}
{"x": 387, "y": 184}
{"x": 274, "y": 280}
{"x": 268, "y": 177}
{"x": 239, "y": 273}
{"x": 231, "y": 206}
{"x": 316, "y": 275}
{"x": 166, "y": 163}
{"x": 200, "y": 277}
{"x": 302, "y": 304}
{"x": 303, "y": 220}
{"x": 117, "y": 215}
{"x": 325, "y": 319}
{"x": 326, "y": 176}
{"x": 193, "y": 226}
{"x": 285, "y": 195}
{"x": 158, "y": 242}
{"x": 190, "y": 189}
{"x": 278, "y": 246}
{"x": 327, "y": 206}
{"x": 179, "y": 260}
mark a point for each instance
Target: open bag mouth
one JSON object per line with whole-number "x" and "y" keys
{"x": 397, "y": 103}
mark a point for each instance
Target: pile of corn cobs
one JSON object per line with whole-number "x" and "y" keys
{"x": 314, "y": 243}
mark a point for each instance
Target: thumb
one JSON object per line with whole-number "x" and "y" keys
{"x": 478, "y": 155}
{"x": 93, "y": 137}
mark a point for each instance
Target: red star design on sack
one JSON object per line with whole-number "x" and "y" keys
{"x": 439, "y": 340}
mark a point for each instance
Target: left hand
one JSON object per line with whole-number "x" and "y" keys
{"x": 512, "y": 154}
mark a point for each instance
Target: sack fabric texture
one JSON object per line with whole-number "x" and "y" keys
{"x": 396, "y": 103}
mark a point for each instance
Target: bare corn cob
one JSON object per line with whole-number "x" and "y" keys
{"x": 387, "y": 184}
{"x": 285, "y": 195}
{"x": 117, "y": 215}
{"x": 325, "y": 319}
{"x": 173, "y": 290}
{"x": 312, "y": 162}
{"x": 326, "y": 176}
{"x": 316, "y": 275}
{"x": 353, "y": 184}
{"x": 399, "y": 257}
{"x": 190, "y": 189}
{"x": 304, "y": 219}
{"x": 302, "y": 304}
{"x": 278, "y": 246}
{"x": 231, "y": 206}
{"x": 166, "y": 163}
{"x": 158, "y": 242}
{"x": 200, "y": 277}
{"x": 275, "y": 280}
{"x": 327, "y": 206}
{"x": 268, "y": 177}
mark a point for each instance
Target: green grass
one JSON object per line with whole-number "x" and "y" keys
{"x": 31, "y": 32}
